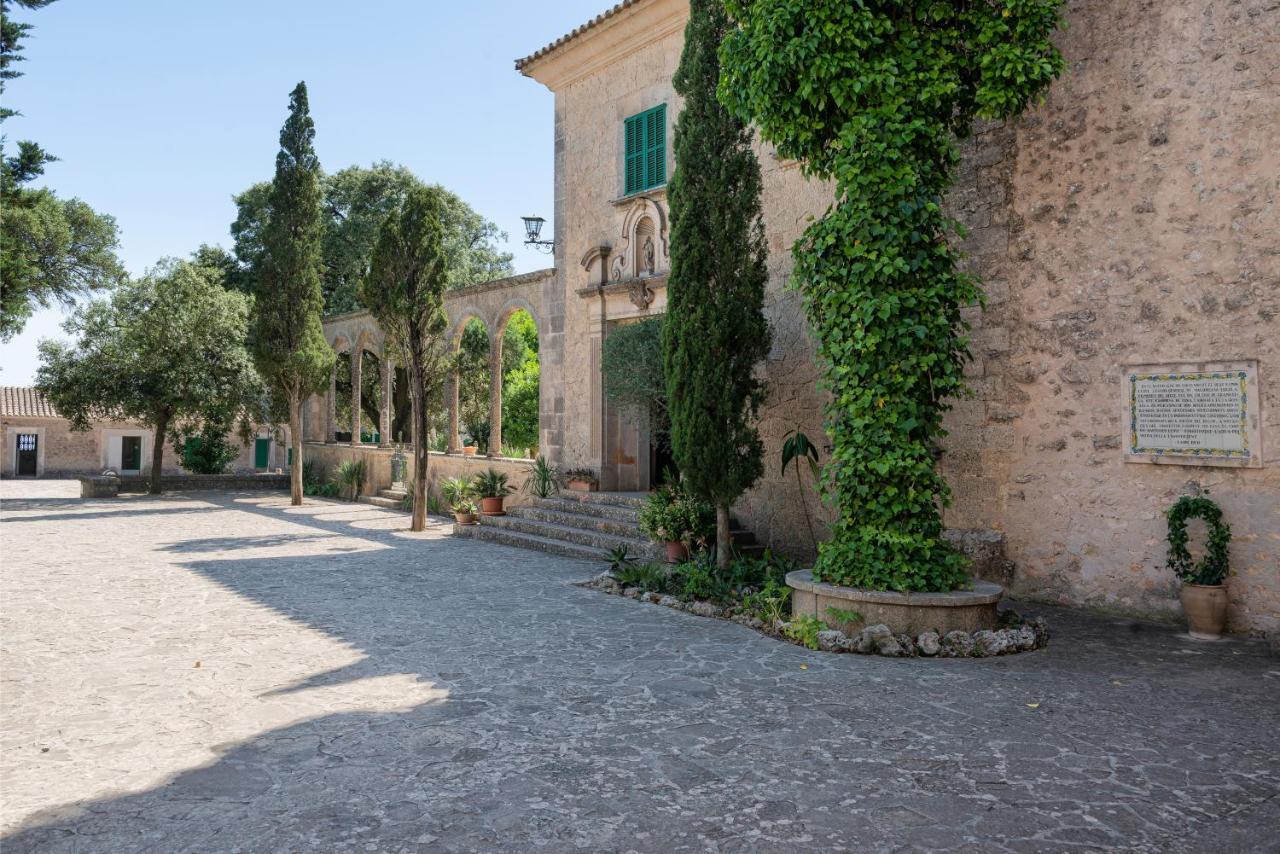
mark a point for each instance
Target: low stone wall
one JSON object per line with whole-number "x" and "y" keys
{"x": 195, "y": 482}
{"x": 910, "y": 613}
{"x": 328, "y": 456}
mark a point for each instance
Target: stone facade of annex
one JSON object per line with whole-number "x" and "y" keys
{"x": 1130, "y": 219}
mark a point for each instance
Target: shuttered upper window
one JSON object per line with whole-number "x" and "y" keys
{"x": 646, "y": 159}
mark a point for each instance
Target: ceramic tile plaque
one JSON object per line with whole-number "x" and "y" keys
{"x": 1202, "y": 413}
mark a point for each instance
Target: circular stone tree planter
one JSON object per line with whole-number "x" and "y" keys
{"x": 906, "y": 613}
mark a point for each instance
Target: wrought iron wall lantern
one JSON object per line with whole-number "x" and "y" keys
{"x": 533, "y": 231}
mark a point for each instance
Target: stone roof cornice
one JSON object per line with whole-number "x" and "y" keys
{"x": 610, "y": 36}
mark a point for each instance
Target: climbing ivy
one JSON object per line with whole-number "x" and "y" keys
{"x": 873, "y": 96}
{"x": 1213, "y": 567}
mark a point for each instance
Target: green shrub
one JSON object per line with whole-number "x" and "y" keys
{"x": 649, "y": 577}
{"x": 769, "y": 604}
{"x": 672, "y": 515}
{"x": 804, "y": 630}
{"x": 348, "y": 477}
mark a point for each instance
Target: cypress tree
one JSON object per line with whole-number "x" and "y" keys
{"x": 404, "y": 291}
{"x": 289, "y": 345}
{"x": 715, "y": 331}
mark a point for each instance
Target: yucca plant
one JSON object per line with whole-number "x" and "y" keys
{"x": 544, "y": 480}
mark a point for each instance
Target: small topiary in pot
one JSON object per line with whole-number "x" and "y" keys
{"x": 1204, "y": 596}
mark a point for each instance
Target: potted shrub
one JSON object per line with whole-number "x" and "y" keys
{"x": 492, "y": 488}
{"x": 581, "y": 480}
{"x": 458, "y": 492}
{"x": 1204, "y": 596}
{"x": 673, "y": 517}
{"x": 468, "y": 448}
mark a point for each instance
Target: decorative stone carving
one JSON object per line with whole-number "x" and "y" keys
{"x": 643, "y": 249}
{"x": 640, "y": 293}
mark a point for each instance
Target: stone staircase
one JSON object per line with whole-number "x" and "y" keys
{"x": 386, "y": 498}
{"x": 584, "y": 525}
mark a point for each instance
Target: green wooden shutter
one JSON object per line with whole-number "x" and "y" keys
{"x": 656, "y": 147}
{"x": 646, "y": 150}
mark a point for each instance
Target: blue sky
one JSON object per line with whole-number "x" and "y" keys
{"x": 161, "y": 110}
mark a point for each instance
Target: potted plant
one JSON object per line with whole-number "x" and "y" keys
{"x": 544, "y": 479}
{"x": 459, "y": 492}
{"x": 1204, "y": 596}
{"x": 675, "y": 518}
{"x": 581, "y": 480}
{"x": 492, "y": 488}
{"x": 468, "y": 448}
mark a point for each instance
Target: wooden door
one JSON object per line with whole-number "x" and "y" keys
{"x": 131, "y": 453}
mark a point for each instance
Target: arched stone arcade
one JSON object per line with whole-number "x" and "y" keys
{"x": 355, "y": 333}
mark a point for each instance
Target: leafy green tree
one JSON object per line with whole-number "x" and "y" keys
{"x": 405, "y": 293}
{"x": 51, "y": 249}
{"x": 631, "y": 365}
{"x": 872, "y": 96}
{"x": 288, "y": 340}
{"x": 357, "y": 201}
{"x": 166, "y": 351}
{"x": 715, "y": 333}
{"x": 520, "y": 382}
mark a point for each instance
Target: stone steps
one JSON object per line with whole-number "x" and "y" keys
{"x": 506, "y": 537}
{"x": 602, "y": 543}
{"x": 387, "y": 499}
{"x": 589, "y": 524}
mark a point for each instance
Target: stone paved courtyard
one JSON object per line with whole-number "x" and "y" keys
{"x": 225, "y": 673}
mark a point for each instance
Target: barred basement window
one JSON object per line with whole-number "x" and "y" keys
{"x": 646, "y": 150}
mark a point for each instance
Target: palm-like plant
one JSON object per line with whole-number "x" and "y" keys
{"x": 458, "y": 492}
{"x": 492, "y": 484}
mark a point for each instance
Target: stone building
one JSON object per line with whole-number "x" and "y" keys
{"x": 1126, "y": 228}
{"x": 38, "y": 442}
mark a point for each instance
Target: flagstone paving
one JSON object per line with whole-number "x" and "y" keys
{"x": 225, "y": 673}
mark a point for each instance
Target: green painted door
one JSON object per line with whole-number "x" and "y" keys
{"x": 261, "y": 453}
{"x": 130, "y": 453}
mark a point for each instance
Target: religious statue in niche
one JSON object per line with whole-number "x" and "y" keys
{"x": 650, "y": 263}
{"x": 642, "y": 251}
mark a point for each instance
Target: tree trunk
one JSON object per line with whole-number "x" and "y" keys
{"x": 418, "y": 394}
{"x": 724, "y": 539}
{"x": 157, "y": 453}
{"x": 295, "y": 442}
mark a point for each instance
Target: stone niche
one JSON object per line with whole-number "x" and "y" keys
{"x": 1192, "y": 413}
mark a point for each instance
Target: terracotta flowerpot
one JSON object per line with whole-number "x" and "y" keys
{"x": 469, "y": 451}
{"x": 581, "y": 486}
{"x": 677, "y": 552}
{"x": 464, "y": 518}
{"x": 1206, "y": 609}
{"x": 491, "y": 507}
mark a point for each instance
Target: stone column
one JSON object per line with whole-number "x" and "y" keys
{"x": 495, "y": 396}
{"x": 356, "y": 385}
{"x": 451, "y": 400}
{"x": 331, "y": 407}
{"x": 387, "y": 407}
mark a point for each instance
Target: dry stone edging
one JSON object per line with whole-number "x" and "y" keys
{"x": 1017, "y": 636}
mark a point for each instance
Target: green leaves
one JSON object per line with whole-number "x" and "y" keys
{"x": 798, "y": 447}
{"x": 872, "y": 96}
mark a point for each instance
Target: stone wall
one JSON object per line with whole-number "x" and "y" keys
{"x": 439, "y": 467}
{"x": 1131, "y": 218}
{"x": 65, "y": 452}
{"x": 196, "y": 482}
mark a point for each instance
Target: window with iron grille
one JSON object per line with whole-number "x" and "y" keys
{"x": 646, "y": 150}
